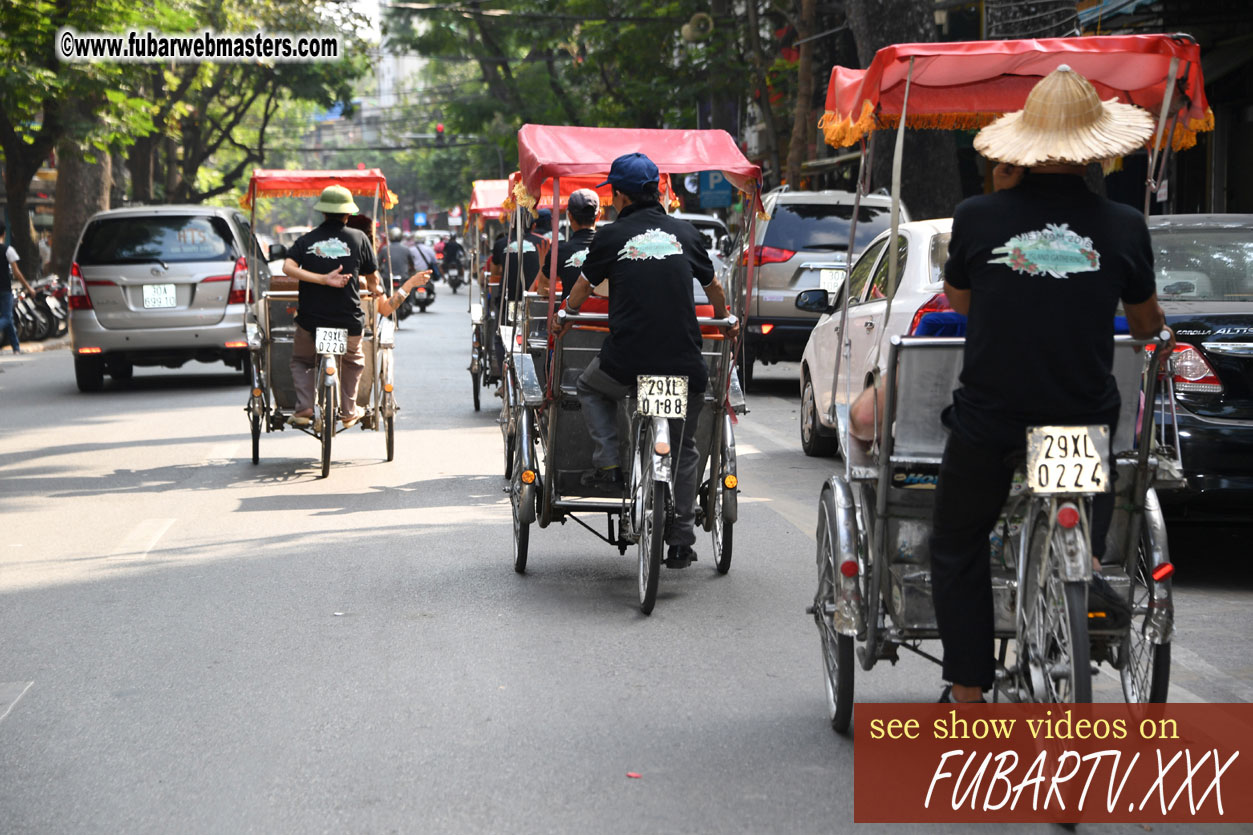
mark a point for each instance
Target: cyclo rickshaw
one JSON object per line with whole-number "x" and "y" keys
{"x": 874, "y": 584}
{"x": 485, "y": 205}
{"x": 552, "y": 448}
{"x": 272, "y": 328}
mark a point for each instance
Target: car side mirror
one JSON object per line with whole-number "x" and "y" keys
{"x": 816, "y": 300}
{"x": 276, "y": 252}
{"x": 724, "y": 245}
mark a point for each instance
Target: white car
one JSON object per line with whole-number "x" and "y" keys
{"x": 923, "y": 249}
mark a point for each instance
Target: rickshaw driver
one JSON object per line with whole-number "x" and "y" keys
{"x": 329, "y": 262}
{"x": 649, "y": 260}
{"x": 582, "y": 210}
{"x": 1039, "y": 270}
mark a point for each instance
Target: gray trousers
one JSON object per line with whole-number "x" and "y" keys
{"x": 600, "y": 397}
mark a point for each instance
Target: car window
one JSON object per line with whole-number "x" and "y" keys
{"x": 879, "y": 286}
{"x": 168, "y": 238}
{"x": 939, "y": 255}
{"x": 861, "y": 270}
{"x": 1203, "y": 264}
{"x": 822, "y": 226}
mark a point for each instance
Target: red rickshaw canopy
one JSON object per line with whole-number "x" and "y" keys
{"x": 969, "y": 84}
{"x": 569, "y": 185}
{"x": 546, "y": 151}
{"x": 486, "y": 197}
{"x": 366, "y": 182}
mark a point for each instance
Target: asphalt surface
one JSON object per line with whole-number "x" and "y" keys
{"x": 191, "y": 643}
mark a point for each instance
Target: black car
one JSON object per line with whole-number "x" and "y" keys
{"x": 1204, "y": 266}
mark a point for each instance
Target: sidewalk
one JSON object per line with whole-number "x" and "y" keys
{"x": 54, "y": 344}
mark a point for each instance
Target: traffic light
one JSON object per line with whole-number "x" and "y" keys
{"x": 439, "y": 133}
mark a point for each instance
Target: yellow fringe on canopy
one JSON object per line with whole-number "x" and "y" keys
{"x": 842, "y": 133}
{"x": 1184, "y": 136}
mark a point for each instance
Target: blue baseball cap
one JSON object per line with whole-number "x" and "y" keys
{"x": 631, "y": 172}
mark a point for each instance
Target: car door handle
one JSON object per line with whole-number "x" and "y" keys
{"x": 870, "y": 326}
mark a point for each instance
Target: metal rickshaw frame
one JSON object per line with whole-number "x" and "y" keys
{"x": 486, "y": 199}
{"x": 271, "y": 325}
{"x": 872, "y": 552}
{"x": 542, "y": 373}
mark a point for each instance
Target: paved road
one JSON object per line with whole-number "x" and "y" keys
{"x": 190, "y": 643}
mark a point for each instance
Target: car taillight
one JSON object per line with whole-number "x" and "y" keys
{"x": 78, "y": 298}
{"x": 1193, "y": 373}
{"x": 936, "y": 304}
{"x": 768, "y": 255}
{"x": 240, "y": 291}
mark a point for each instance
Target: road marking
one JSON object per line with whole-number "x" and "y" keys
{"x": 142, "y": 539}
{"x": 10, "y": 692}
{"x": 224, "y": 451}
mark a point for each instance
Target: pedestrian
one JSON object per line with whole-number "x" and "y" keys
{"x": 329, "y": 262}
{"x": 8, "y": 324}
{"x": 649, "y": 260}
{"x": 1039, "y": 340}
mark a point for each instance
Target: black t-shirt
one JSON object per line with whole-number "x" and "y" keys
{"x": 650, "y": 260}
{"x": 1047, "y": 263}
{"x": 452, "y": 252}
{"x": 395, "y": 259}
{"x": 507, "y": 261}
{"x": 323, "y": 249}
{"x": 570, "y": 255}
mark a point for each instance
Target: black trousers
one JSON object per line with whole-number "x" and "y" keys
{"x": 974, "y": 483}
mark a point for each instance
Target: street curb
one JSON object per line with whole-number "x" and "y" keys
{"x": 55, "y": 344}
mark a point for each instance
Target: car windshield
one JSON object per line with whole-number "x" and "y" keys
{"x": 153, "y": 238}
{"x": 1197, "y": 264}
{"x": 822, "y": 226}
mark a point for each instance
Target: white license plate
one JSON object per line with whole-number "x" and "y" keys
{"x": 1068, "y": 459}
{"x": 830, "y": 279}
{"x": 159, "y": 295}
{"x": 661, "y": 396}
{"x": 331, "y": 340}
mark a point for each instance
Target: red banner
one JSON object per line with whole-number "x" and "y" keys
{"x": 1056, "y": 763}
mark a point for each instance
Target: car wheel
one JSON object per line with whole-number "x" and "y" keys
{"x": 813, "y": 441}
{"x": 89, "y": 373}
{"x": 745, "y": 368}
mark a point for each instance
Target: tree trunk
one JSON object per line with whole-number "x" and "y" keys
{"x": 803, "y": 119}
{"x": 758, "y": 60}
{"x": 930, "y": 186}
{"x": 82, "y": 190}
{"x": 139, "y": 160}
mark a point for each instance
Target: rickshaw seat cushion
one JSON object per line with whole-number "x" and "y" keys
{"x": 941, "y": 324}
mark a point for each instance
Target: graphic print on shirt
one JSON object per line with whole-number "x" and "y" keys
{"x": 651, "y": 244}
{"x": 330, "y": 248}
{"x": 527, "y": 246}
{"x": 576, "y": 260}
{"x": 1054, "y": 250}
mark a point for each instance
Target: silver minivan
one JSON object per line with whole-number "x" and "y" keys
{"x": 802, "y": 245}
{"x": 161, "y": 285}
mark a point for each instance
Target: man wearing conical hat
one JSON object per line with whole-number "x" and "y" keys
{"x": 329, "y": 262}
{"x": 1039, "y": 269}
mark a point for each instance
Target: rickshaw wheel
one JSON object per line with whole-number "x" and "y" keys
{"x": 721, "y": 529}
{"x": 328, "y": 429}
{"x": 511, "y": 441}
{"x": 521, "y": 530}
{"x": 389, "y": 428}
{"x": 1054, "y": 629}
{"x": 474, "y": 380}
{"x": 255, "y": 420}
{"x": 837, "y": 649}
{"x": 1145, "y": 667}
{"x": 652, "y": 542}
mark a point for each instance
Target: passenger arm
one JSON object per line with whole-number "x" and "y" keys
{"x": 332, "y": 279}
{"x": 959, "y": 300}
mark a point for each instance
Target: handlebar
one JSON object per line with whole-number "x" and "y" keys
{"x": 566, "y": 316}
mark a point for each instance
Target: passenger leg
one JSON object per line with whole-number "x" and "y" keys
{"x": 974, "y": 483}
{"x": 599, "y": 395}
{"x": 683, "y": 532}
{"x": 351, "y": 365}
{"x": 304, "y": 360}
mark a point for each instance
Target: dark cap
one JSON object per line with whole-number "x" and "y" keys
{"x": 631, "y": 172}
{"x": 544, "y": 218}
{"x": 583, "y": 202}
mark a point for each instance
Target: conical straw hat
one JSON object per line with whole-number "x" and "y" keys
{"x": 1065, "y": 121}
